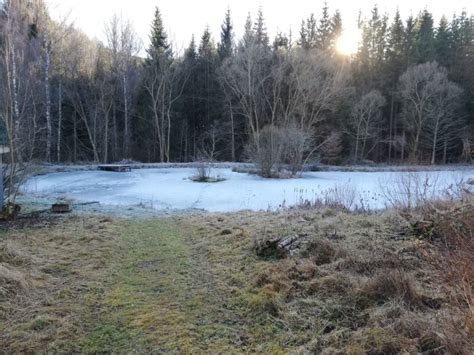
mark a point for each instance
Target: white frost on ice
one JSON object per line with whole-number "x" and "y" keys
{"x": 171, "y": 188}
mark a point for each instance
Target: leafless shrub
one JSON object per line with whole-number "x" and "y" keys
{"x": 296, "y": 142}
{"x": 203, "y": 169}
{"x": 340, "y": 197}
{"x": 410, "y": 189}
{"x": 267, "y": 150}
{"x": 205, "y": 158}
{"x": 332, "y": 148}
{"x": 413, "y": 189}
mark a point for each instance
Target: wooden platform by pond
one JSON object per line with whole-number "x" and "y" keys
{"x": 118, "y": 168}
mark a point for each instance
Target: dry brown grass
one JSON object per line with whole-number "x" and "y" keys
{"x": 371, "y": 287}
{"x": 361, "y": 284}
{"x": 12, "y": 282}
{"x": 451, "y": 230}
{"x": 390, "y": 285}
{"x": 46, "y": 270}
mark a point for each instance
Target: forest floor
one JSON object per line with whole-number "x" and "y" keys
{"x": 194, "y": 284}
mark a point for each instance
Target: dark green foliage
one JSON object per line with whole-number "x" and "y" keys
{"x": 425, "y": 37}
{"x": 226, "y": 45}
{"x": 159, "y": 40}
{"x": 443, "y": 43}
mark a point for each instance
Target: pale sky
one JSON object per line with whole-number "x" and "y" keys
{"x": 183, "y": 18}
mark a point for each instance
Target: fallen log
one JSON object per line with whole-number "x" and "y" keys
{"x": 277, "y": 247}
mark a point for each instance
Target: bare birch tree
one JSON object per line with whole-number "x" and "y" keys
{"x": 18, "y": 106}
{"x": 428, "y": 99}
{"x": 365, "y": 119}
{"x": 124, "y": 45}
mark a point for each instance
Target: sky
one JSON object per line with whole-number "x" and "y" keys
{"x": 183, "y": 18}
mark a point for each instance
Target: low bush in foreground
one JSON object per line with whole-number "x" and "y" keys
{"x": 374, "y": 284}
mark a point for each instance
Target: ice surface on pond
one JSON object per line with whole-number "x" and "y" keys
{"x": 171, "y": 188}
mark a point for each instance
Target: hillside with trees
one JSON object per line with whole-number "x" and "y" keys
{"x": 406, "y": 96}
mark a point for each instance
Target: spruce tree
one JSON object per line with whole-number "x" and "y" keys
{"x": 461, "y": 41}
{"x": 336, "y": 30}
{"x": 158, "y": 39}
{"x": 190, "y": 52}
{"x": 207, "y": 46}
{"x": 207, "y": 85}
{"x": 281, "y": 42}
{"x": 425, "y": 37}
{"x": 303, "y": 41}
{"x": 308, "y": 33}
{"x": 372, "y": 50}
{"x": 410, "y": 41}
{"x": 396, "y": 50}
{"x": 324, "y": 29}
{"x": 260, "y": 30}
{"x": 443, "y": 43}
{"x": 249, "y": 35}
{"x": 226, "y": 45}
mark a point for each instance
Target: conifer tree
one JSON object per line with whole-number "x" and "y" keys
{"x": 207, "y": 85}
{"x": 443, "y": 43}
{"x": 226, "y": 45}
{"x": 281, "y": 41}
{"x": 425, "y": 37}
{"x": 260, "y": 30}
{"x": 461, "y": 32}
{"x": 324, "y": 29}
{"x": 158, "y": 38}
{"x": 308, "y": 33}
{"x": 249, "y": 35}
{"x": 336, "y": 30}
{"x": 372, "y": 50}
{"x": 410, "y": 41}
{"x": 396, "y": 50}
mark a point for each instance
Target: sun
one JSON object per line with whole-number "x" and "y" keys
{"x": 348, "y": 42}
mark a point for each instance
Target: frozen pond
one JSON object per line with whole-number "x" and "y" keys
{"x": 171, "y": 188}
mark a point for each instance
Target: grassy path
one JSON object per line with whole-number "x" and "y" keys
{"x": 165, "y": 297}
{"x": 97, "y": 285}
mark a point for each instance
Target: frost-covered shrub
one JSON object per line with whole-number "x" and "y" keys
{"x": 276, "y": 145}
{"x": 296, "y": 143}
{"x": 266, "y": 150}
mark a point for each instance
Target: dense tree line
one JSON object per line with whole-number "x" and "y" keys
{"x": 407, "y": 95}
